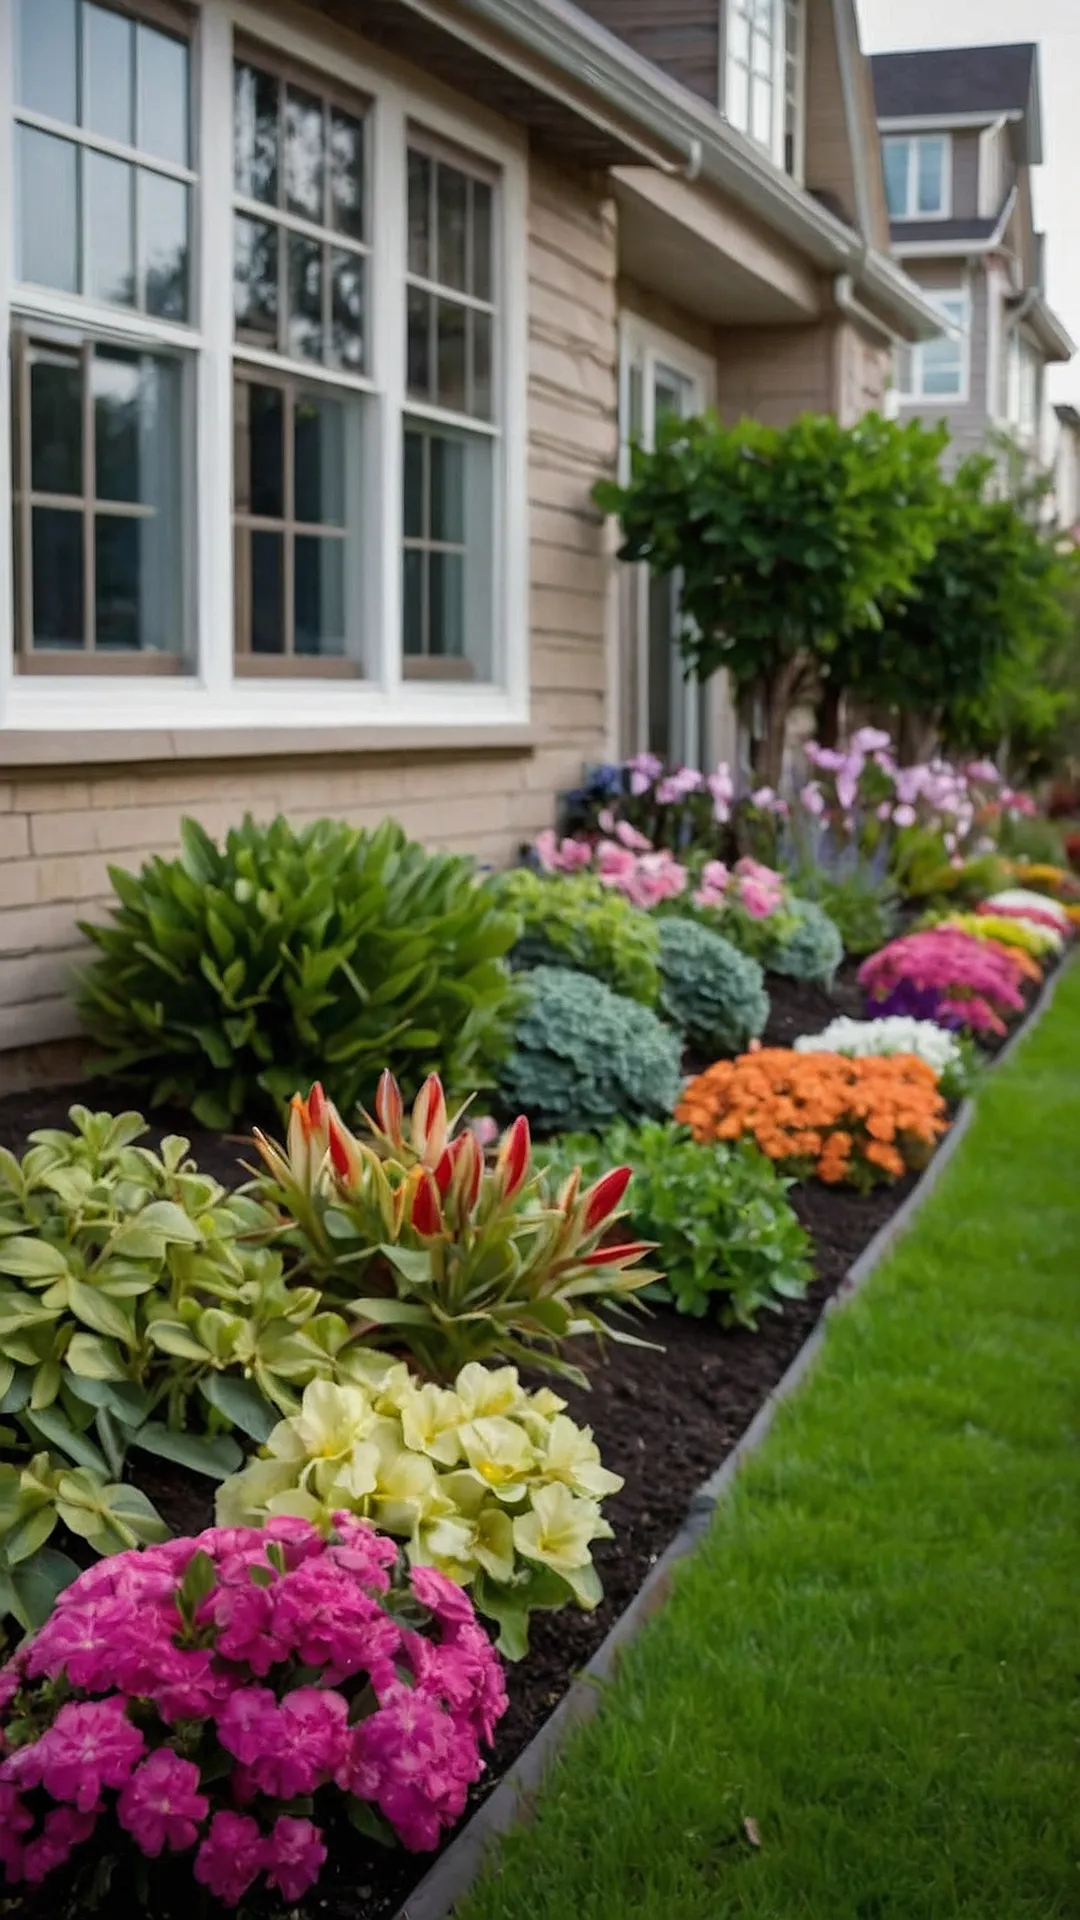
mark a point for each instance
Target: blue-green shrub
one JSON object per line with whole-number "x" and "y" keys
{"x": 583, "y": 1056}
{"x": 711, "y": 992}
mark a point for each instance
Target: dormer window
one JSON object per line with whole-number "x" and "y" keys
{"x": 918, "y": 176}
{"x": 763, "y": 76}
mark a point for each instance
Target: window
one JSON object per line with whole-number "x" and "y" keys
{"x": 1022, "y": 403}
{"x": 266, "y": 314}
{"x": 448, "y": 469}
{"x": 938, "y": 369}
{"x": 917, "y": 176}
{"x": 763, "y": 61}
{"x": 102, "y": 218}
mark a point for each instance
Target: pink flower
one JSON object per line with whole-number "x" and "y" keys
{"x": 870, "y": 740}
{"x": 63, "y": 1831}
{"x": 294, "y": 1856}
{"x": 721, "y": 787}
{"x": 90, "y": 1745}
{"x": 643, "y": 769}
{"x": 630, "y": 837}
{"x": 309, "y": 1746}
{"x": 245, "y": 1618}
{"x": 678, "y": 785}
{"x": 484, "y": 1129}
{"x": 15, "y": 1819}
{"x": 231, "y": 1856}
{"x": 904, "y": 816}
{"x": 449, "y": 1603}
{"x": 545, "y": 847}
{"x": 250, "y": 1724}
{"x": 758, "y": 900}
{"x": 161, "y": 1806}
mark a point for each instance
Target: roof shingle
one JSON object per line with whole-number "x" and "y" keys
{"x": 950, "y": 80}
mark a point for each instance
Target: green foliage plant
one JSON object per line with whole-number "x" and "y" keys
{"x": 137, "y": 1310}
{"x": 583, "y": 1055}
{"x": 799, "y": 940}
{"x": 862, "y": 906}
{"x": 491, "y": 1484}
{"x": 711, "y": 993}
{"x": 231, "y": 975}
{"x": 577, "y": 922}
{"x": 437, "y": 1254}
{"x": 785, "y": 539}
{"x": 724, "y": 1229}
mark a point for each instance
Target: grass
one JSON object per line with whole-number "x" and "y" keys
{"x": 872, "y": 1664}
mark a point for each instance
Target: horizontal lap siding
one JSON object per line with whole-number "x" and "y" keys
{"x": 682, "y": 36}
{"x": 58, "y": 836}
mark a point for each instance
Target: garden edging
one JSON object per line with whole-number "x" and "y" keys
{"x": 457, "y": 1868}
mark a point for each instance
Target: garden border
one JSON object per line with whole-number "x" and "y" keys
{"x": 456, "y": 1870}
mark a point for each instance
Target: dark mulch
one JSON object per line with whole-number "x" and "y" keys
{"x": 664, "y": 1419}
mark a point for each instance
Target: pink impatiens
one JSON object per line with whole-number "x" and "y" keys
{"x": 948, "y": 976}
{"x": 196, "y": 1689}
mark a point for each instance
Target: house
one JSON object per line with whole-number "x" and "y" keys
{"x": 961, "y": 132}
{"x": 323, "y": 321}
{"x": 1066, "y": 469}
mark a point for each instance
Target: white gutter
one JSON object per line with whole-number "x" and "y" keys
{"x": 684, "y": 132}
{"x": 853, "y": 309}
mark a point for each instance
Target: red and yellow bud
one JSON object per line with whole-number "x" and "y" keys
{"x": 426, "y": 1214}
{"x": 390, "y": 1108}
{"x": 626, "y": 1254}
{"x": 348, "y": 1156}
{"x": 604, "y": 1197}
{"x": 429, "y": 1126}
{"x": 513, "y": 1158}
{"x": 309, "y": 1136}
{"x": 468, "y": 1174}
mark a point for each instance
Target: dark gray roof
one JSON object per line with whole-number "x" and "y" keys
{"x": 950, "y": 80}
{"x": 944, "y": 231}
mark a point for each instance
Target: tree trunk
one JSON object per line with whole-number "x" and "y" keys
{"x": 779, "y": 693}
{"x": 828, "y": 714}
{"x": 916, "y": 735}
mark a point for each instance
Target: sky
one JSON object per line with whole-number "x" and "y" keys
{"x": 892, "y": 25}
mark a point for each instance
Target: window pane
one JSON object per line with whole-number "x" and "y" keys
{"x": 481, "y": 239}
{"x": 481, "y": 366}
{"x": 255, "y": 135}
{"x": 894, "y": 155}
{"x": 931, "y": 162}
{"x": 304, "y": 154}
{"x": 47, "y": 45}
{"x": 256, "y": 279}
{"x": 57, "y": 577}
{"x": 47, "y": 236}
{"x": 413, "y": 639}
{"x": 305, "y": 296}
{"x": 116, "y": 387}
{"x": 265, "y": 465}
{"x": 419, "y": 367}
{"x": 414, "y": 485}
{"x": 116, "y": 581}
{"x": 108, "y": 41}
{"x": 319, "y": 461}
{"x": 451, "y": 352}
{"x": 319, "y": 595}
{"x": 451, "y": 194}
{"x": 267, "y": 593}
{"x": 447, "y": 488}
{"x": 163, "y": 234}
{"x": 347, "y": 174}
{"x": 110, "y": 188}
{"x": 347, "y": 310}
{"x": 163, "y": 96}
{"x": 420, "y": 215}
{"x": 56, "y": 449}
{"x": 761, "y": 111}
{"x": 447, "y": 637}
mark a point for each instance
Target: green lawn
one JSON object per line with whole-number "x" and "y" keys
{"x": 874, "y": 1659}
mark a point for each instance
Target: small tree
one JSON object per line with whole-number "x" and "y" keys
{"x": 966, "y": 640}
{"x": 784, "y": 541}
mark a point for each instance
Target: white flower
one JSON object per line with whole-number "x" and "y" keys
{"x": 1020, "y": 897}
{"x": 896, "y": 1034}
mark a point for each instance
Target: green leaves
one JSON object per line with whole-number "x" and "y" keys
{"x": 578, "y": 922}
{"x": 230, "y": 977}
{"x": 582, "y": 1055}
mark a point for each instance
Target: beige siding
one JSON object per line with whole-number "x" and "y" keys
{"x": 59, "y": 835}
{"x": 775, "y": 373}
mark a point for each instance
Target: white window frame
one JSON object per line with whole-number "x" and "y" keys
{"x": 915, "y": 394}
{"x": 913, "y": 141}
{"x": 212, "y": 695}
{"x": 780, "y": 89}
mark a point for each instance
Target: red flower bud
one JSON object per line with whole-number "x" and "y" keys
{"x": 388, "y": 1107}
{"x": 608, "y": 1256}
{"x": 429, "y": 1121}
{"x": 603, "y": 1198}
{"x": 512, "y": 1163}
{"x": 426, "y": 1213}
{"x": 339, "y": 1152}
{"x": 316, "y": 1105}
{"x": 444, "y": 1172}
{"x": 468, "y": 1173}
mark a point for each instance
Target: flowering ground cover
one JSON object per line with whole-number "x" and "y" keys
{"x": 861, "y": 1698}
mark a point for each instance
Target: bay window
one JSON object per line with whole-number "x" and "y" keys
{"x": 264, "y": 311}
{"x": 764, "y": 69}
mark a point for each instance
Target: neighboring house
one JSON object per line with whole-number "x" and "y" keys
{"x": 1066, "y": 470}
{"x": 323, "y": 322}
{"x": 961, "y": 131}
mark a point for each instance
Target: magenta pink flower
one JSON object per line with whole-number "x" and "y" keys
{"x": 90, "y": 1745}
{"x": 231, "y": 1857}
{"x": 295, "y": 1853}
{"x": 64, "y": 1830}
{"x": 161, "y": 1806}
{"x": 249, "y": 1725}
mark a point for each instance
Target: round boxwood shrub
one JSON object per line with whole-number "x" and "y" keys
{"x": 233, "y": 976}
{"x": 811, "y": 948}
{"x": 583, "y": 1055}
{"x": 575, "y": 921}
{"x": 713, "y": 993}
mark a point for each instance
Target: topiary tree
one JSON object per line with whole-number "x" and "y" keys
{"x": 784, "y": 539}
{"x": 711, "y": 992}
{"x": 575, "y": 921}
{"x": 583, "y": 1056}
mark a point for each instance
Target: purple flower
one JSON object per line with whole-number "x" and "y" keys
{"x": 161, "y": 1806}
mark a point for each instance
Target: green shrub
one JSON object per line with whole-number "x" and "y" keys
{"x": 135, "y": 1311}
{"x": 863, "y": 910}
{"x": 575, "y": 921}
{"x": 726, "y": 1234}
{"x": 1033, "y": 838}
{"x": 809, "y": 949}
{"x": 709, "y": 990}
{"x": 231, "y": 976}
{"x": 583, "y": 1056}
